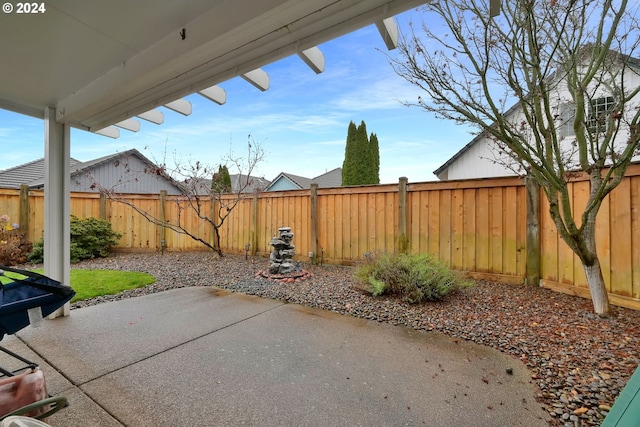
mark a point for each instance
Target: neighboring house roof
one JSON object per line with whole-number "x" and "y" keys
{"x": 288, "y": 181}
{"x": 32, "y": 173}
{"x": 333, "y": 178}
{"x": 250, "y": 183}
{"x": 240, "y": 183}
{"x": 81, "y": 168}
{"x": 27, "y": 173}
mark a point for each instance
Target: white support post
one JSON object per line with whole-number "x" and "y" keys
{"x": 57, "y": 245}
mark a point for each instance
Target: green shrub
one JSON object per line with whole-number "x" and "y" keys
{"x": 90, "y": 238}
{"x": 416, "y": 278}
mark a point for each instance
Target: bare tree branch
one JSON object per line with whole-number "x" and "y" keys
{"x": 567, "y": 67}
{"x": 209, "y": 203}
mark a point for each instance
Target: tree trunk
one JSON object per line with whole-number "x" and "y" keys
{"x": 598, "y": 289}
{"x": 593, "y": 270}
{"x": 216, "y": 243}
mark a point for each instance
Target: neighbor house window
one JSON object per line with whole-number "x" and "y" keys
{"x": 567, "y": 113}
{"x": 600, "y": 110}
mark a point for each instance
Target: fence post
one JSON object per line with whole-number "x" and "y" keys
{"x": 533, "y": 232}
{"x": 254, "y": 225}
{"x": 402, "y": 241}
{"x": 163, "y": 218}
{"x": 314, "y": 222}
{"x": 24, "y": 210}
{"x": 103, "y": 206}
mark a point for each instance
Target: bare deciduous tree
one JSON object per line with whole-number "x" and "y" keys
{"x": 570, "y": 69}
{"x": 209, "y": 203}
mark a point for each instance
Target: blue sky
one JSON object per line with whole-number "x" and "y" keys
{"x": 300, "y": 122}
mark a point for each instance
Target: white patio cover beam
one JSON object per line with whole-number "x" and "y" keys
{"x": 57, "y": 196}
{"x": 110, "y": 131}
{"x": 314, "y": 58}
{"x": 215, "y": 94}
{"x": 258, "y": 78}
{"x": 153, "y": 116}
{"x": 130, "y": 124}
{"x": 181, "y": 106}
{"x": 388, "y": 29}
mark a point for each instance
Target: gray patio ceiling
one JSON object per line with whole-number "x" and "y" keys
{"x": 101, "y": 62}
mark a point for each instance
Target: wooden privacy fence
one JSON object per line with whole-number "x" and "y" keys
{"x": 498, "y": 229}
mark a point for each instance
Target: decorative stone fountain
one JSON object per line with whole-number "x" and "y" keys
{"x": 281, "y": 265}
{"x": 281, "y": 258}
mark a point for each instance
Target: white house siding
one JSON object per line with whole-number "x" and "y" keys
{"x": 476, "y": 162}
{"x": 123, "y": 175}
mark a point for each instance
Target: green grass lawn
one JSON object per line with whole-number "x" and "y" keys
{"x": 95, "y": 283}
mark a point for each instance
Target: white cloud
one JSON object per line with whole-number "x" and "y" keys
{"x": 5, "y": 132}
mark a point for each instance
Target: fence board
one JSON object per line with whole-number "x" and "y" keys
{"x": 604, "y": 241}
{"x": 510, "y": 253}
{"x": 482, "y": 225}
{"x": 469, "y": 230}
{"x": 521, "y": 232}
{"x": 373, "y": 237}
{"x": 445, "y": 226}
{"x": 326, "y": 229}
{"x": 338, "y": 248}
{"x": 496, "y": 229}
{"x": 391, "y": 224}
{"x": 620, "y": 211}
{"x": 457, "y": 229}
{"x": 354, "y": 228}
{"x": 382, "y": 219}
{"x": 346, "y": 228}
{"x": 548, "y": 244}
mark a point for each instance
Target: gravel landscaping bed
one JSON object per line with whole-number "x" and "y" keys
{"x": 578, "y": 361}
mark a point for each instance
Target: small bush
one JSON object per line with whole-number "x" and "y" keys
{"x": 417, "y": 278}
{"x": 90, "y": 238}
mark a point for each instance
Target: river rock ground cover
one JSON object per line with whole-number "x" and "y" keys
{"x": 579, "y": 362}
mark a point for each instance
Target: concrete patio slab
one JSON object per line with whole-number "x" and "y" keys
{"x": 206, "y": 357}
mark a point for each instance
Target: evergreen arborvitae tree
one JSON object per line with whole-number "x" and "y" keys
{"x": 375, "y": 149}
{"x": 362, "y": 157}
{"x": 350, "y": 156}
{"x": 221, "y": 182}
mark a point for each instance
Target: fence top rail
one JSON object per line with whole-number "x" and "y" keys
{"x": 9, "y": 191}
{"x": 512, "y": 181}
{"x": 82, "y": 195}
{"x": 283, "y": 193}
{"x": 632, "y": 170}
{"x": 369, "y": 189}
